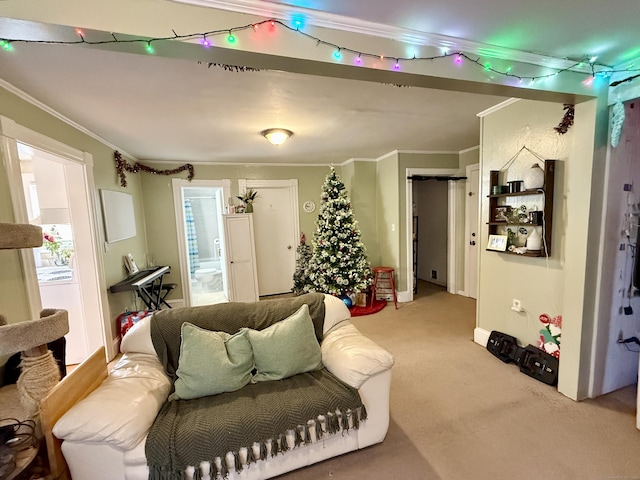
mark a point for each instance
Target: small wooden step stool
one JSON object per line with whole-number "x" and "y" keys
{"x": 383, "y": 285}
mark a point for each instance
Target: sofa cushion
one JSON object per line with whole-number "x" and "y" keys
{"x": 211, "y": 363}
{"x": 285, "y": 348}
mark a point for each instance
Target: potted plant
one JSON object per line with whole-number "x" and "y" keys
{"x": 247, "y": 199}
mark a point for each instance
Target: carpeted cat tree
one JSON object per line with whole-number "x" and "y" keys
{"x": 39, "y": 371}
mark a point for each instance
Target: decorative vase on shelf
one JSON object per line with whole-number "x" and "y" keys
{"x": 248, "y": 208}
{"x": 534, "y": 240}
{"x": 533, "y": 177}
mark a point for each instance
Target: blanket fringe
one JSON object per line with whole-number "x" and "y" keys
{"x": 251, "y": 458}
{"x": 224, "y": 468}
{"x": 307, "y": 434}
{"x": 236, "y": 462}
{"x": 284, "y": 445}
{"x": 344, "y": 416}
{"x": 263, "y": 450}
{"x": 197, "y": 474}
{"x": 298, "y": 440}
{"x": 213, "y": 470}
{"x": 319, "y": 431}
{"x": 335, "y": 422}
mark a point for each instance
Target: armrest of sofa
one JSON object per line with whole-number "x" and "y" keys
{"x": 121, "y": 410}
{"x": 352, "y": 357}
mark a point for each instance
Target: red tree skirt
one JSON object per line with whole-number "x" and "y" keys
{"x": 369, "y": 309}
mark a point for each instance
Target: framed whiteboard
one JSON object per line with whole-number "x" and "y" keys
{"x": 119, "y": 217}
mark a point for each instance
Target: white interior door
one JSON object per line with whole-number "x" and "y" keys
{"x": 471, "y": 230}
{"x": 276, "y": 226}
{"x": 240, "y": 256}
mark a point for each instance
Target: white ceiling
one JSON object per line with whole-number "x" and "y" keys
{"x": 171, "y": 109}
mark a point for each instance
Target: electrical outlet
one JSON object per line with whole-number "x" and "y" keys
{"x": 516, "y": 305}
{"x": 434, "y": 274}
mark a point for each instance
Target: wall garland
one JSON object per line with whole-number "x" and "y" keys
{"x": 122, "y": 166}
{"x": 567, "y": 120}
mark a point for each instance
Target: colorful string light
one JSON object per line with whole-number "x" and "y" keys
{"x": 338, "y": 51}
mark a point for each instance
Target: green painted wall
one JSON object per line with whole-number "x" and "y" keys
{"x": 387, "y": 211}
{"x": 363, "y": 201}
{"x": 559, "y": 285}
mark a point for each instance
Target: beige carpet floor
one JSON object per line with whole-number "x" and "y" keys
{"x": 459, "y": 413}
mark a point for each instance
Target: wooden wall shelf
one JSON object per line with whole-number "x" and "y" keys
{"x": 504, "y": 199}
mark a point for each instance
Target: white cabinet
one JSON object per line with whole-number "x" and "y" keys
{"x": 241, "y": 258}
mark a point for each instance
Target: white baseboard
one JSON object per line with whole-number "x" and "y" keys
{"x": 403, "y": 296}
{"x": 481, "y": 336}
{"x": 176, "y": 303}
{"x": 115, "y": 348}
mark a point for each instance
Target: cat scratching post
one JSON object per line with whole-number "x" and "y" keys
{"x": 39, "y": 371}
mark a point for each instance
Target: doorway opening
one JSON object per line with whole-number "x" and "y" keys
{"x": 199, "y": 210}
{"x": 454, "y": 228}
{"x": 51, "y": 185}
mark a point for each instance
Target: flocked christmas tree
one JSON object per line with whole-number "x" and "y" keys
{"x": 339, "y": 263}
{"x": 301, "y": 275}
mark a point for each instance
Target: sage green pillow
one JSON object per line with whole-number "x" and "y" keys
{"x": 285, "y": 348}
{"x": 211, "y": 362}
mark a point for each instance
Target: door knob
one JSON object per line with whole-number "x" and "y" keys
{"x": 288, "y": 247}
{"x": 472, "y": 242}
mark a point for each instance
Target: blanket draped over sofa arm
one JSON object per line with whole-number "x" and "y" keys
{"x": 227, "y": 317}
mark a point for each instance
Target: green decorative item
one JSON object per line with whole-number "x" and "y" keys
{"x": 248, "y": 198}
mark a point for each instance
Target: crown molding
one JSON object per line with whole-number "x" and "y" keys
{"x": 470, "y": 149}
{"x": 332, "y": 21}
{"x": 54, "y": 113}
{"x": 497, "y": 107}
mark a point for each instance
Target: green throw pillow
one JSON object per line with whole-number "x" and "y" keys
{"x": 286, "y": 348}
{"x": 211, "y": 362}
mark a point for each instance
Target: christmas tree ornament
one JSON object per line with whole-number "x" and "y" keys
{"x": 347, "y": 300}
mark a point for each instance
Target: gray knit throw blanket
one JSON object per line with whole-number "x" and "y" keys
{"x": 188, "y": 432}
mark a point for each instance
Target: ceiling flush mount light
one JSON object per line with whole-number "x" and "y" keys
{"x": 277, "y": 136}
